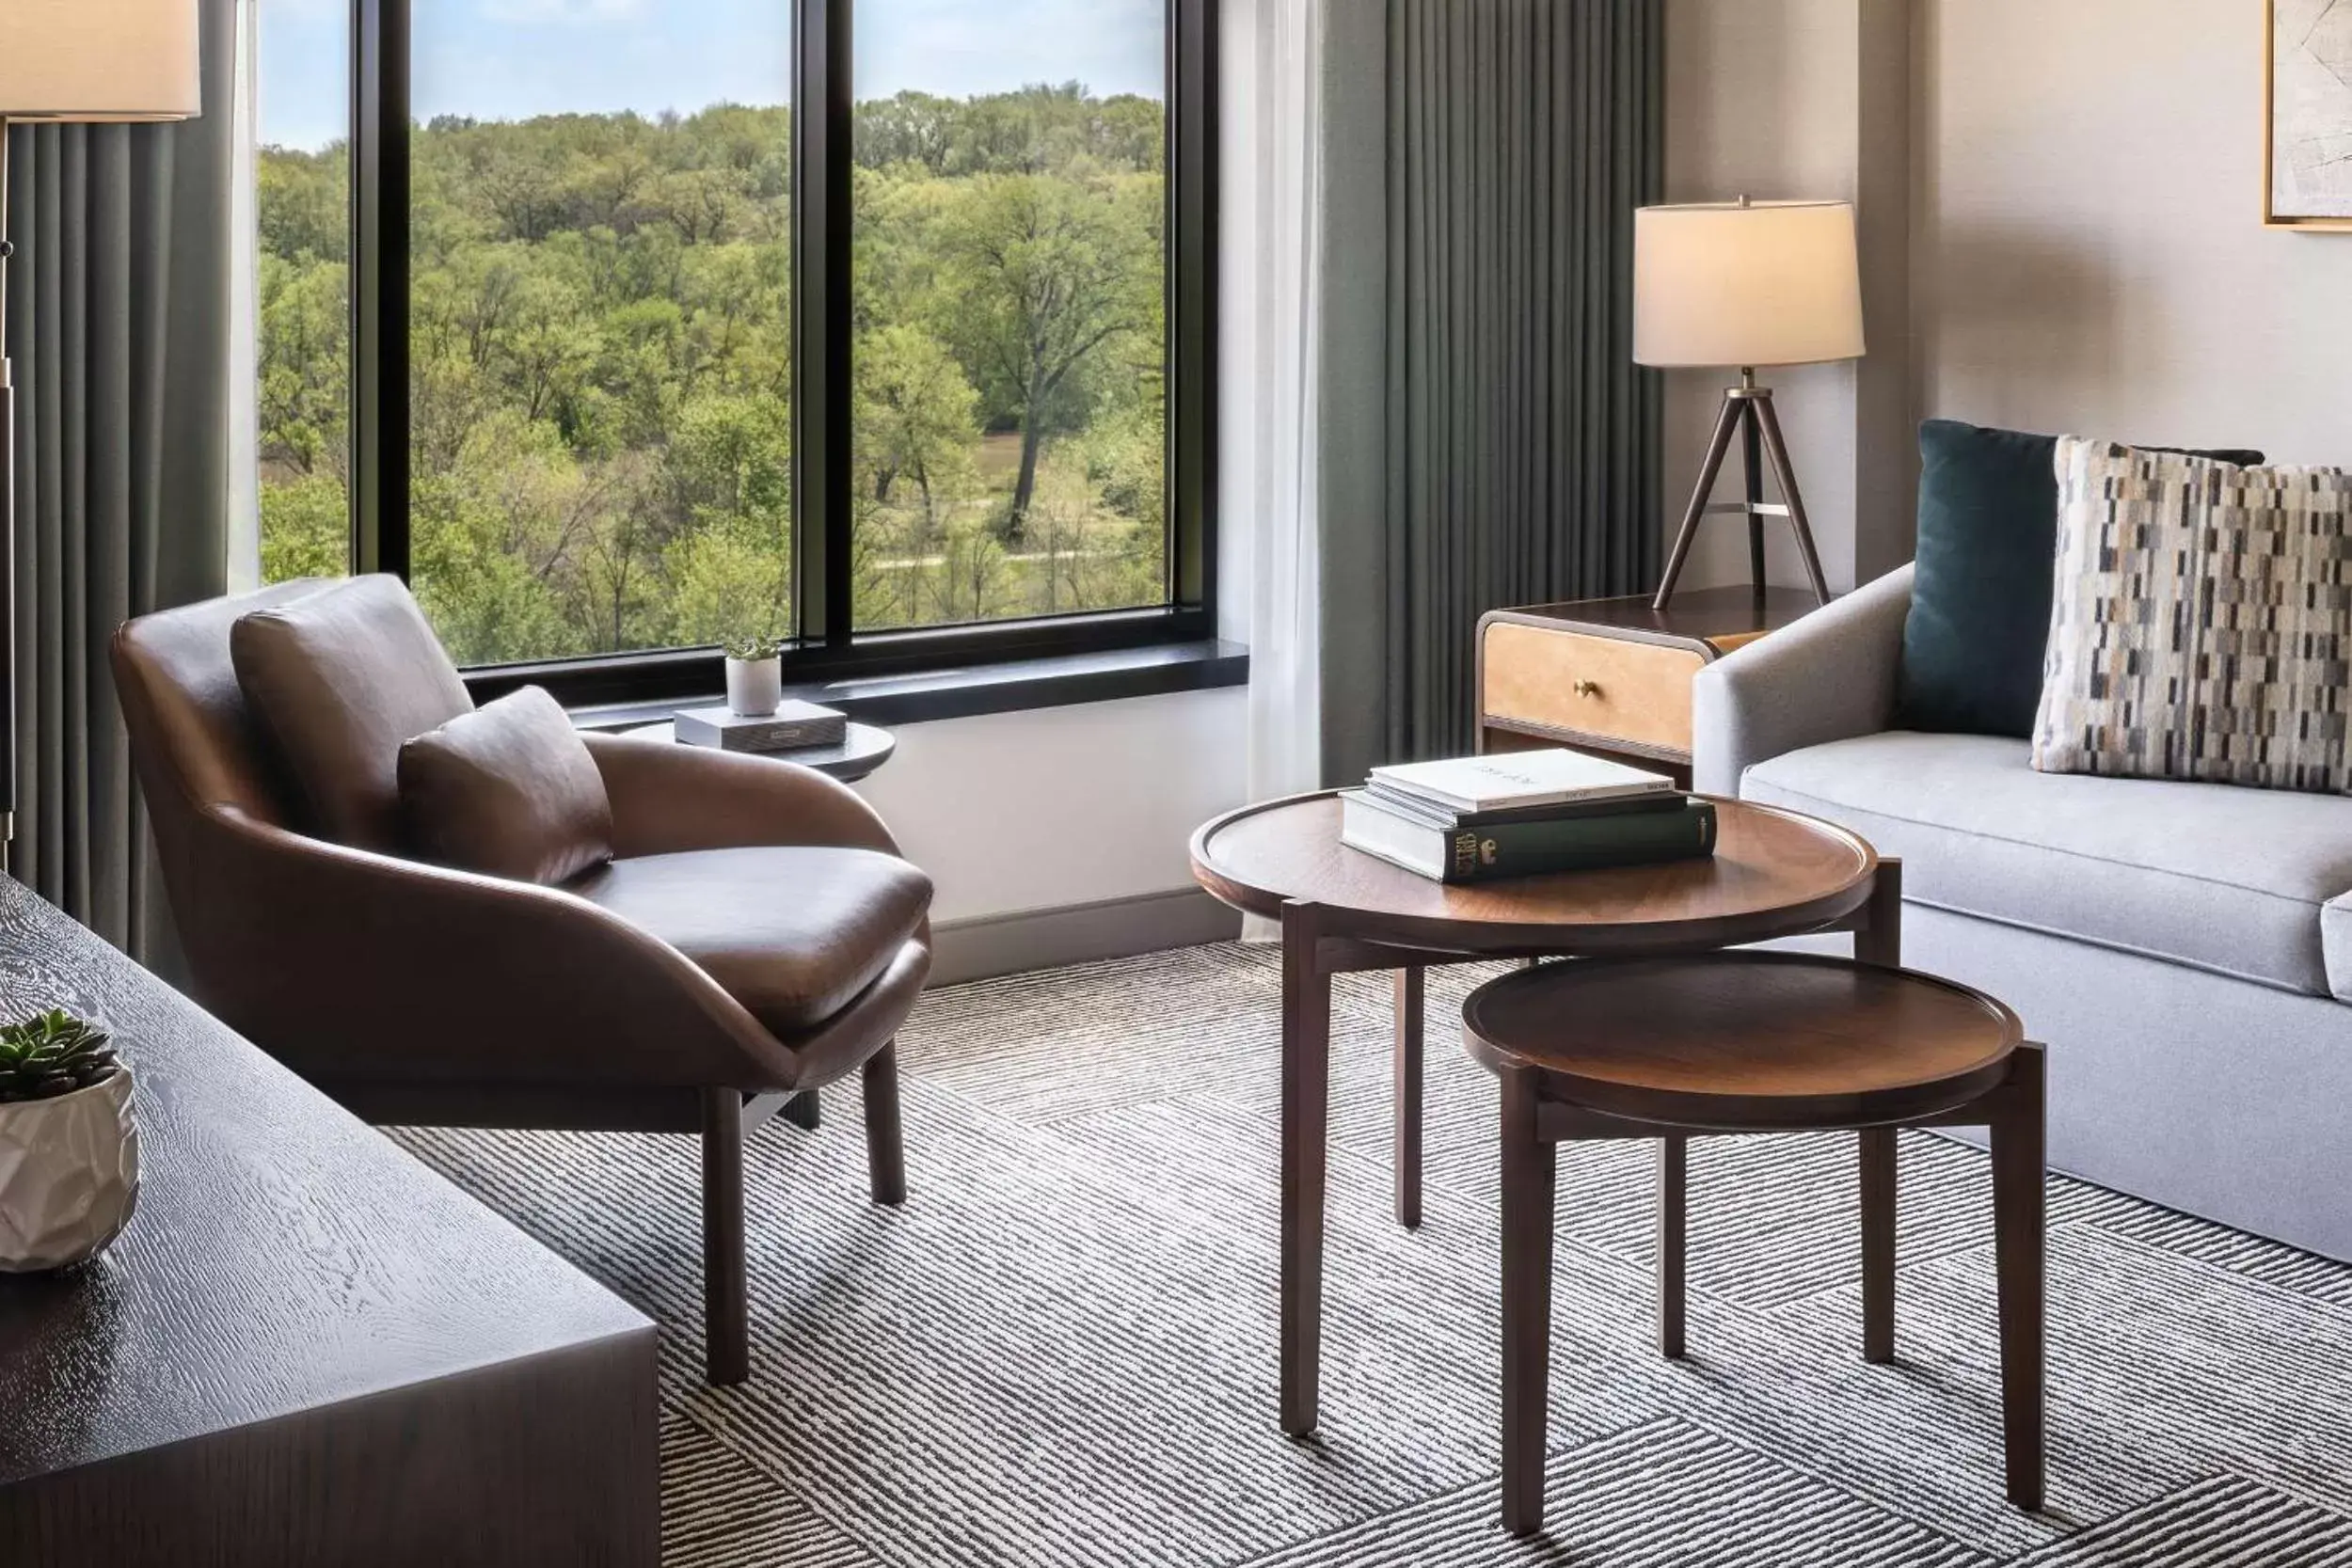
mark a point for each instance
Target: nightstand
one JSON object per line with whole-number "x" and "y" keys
{"x": 1613, "y": 677}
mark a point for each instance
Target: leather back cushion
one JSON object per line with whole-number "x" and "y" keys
{"x": 1979, "y": 619}
{"x": 191, "y": 734}
{"x": 337, "y": 681}
{"x": 508, "y": 790}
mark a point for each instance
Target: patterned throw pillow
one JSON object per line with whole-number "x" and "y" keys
{"x": 2202, "y": 626}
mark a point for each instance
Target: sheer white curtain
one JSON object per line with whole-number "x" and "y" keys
{"x": 1270, "y": 309}
{"x": 245, "y": 309}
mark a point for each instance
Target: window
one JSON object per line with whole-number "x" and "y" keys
{"x": 302, "y": 205}
{"x": 618, "y": 328}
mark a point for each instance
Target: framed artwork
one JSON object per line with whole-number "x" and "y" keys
{"x": 2307, "y": 114}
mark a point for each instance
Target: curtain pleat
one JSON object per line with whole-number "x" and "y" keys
{"x": 118, "y": 325}
{"x": 1520, "y": 443}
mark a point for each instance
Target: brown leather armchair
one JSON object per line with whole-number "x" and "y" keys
{"x": 749, "y": 944}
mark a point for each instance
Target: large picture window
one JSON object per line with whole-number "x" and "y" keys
{"x": 619, "y": 328}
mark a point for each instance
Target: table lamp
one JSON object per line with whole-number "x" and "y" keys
{"x": 83, "y": 61}
{"x": 1742, "y": 284}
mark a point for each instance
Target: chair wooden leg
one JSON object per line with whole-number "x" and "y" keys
{"x": 1527, "y": 1192}
{"x": 885, "y": 1139}
{"x": 1674, "y": 1174}
{"x": 802, "y": 1111}
{"x": 726, "y": 1317}
{"x": 1407, "y": 1064}
{"x": 1878, "y": 1168}
{"x": 2018, "y": 1261}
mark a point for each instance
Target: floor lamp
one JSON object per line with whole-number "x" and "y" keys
{"x": 1743, "y": 284}
{"x": 81, "y": 61}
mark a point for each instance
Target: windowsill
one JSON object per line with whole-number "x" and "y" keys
{"x": 1061, "y": 681}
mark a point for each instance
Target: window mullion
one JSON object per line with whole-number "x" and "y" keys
{"x": 822, "y": 407}
{"x": 379, "y": 286}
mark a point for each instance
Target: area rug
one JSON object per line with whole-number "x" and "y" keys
{"x": 1061, "y": 1353}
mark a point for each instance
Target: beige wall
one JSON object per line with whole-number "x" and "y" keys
{"x": 1785, "y": 99}
{"x": 2088, "y": 251}
{"x": 2058, "y": 202}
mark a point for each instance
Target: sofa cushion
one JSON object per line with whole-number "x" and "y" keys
{"x": 1980, "y": 615}
{"x": 2223, "y": 878}
{"x": 2202, "y": 621}
{"x": 793, "y": 934}
{"x": 338, "y": 681}
{"x": 508, "y": 790}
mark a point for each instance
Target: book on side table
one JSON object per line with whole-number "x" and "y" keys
{"x": 792, "y": 727}
{"x": 1522, "y": 814}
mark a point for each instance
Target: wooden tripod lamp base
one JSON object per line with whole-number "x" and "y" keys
{"x": 1747, "y": 413}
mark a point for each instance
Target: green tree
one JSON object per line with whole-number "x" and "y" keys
{"x": 1043, "y": 273}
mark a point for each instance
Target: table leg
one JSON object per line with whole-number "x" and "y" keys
{"x": 1529, "y": 1197}
{"x": 1879, "y": 940}
{"x": 2018, "y": 1264}
{"x": 1306, "y": 1107}
{"x": 1879, "y": 937}
{"x": 1878, "y": 1175}
{"x": 1674, "y": 1172}
{"x": 1407, "y": 1071}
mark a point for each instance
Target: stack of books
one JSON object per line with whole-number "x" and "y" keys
{"x": 1522, "y": 814}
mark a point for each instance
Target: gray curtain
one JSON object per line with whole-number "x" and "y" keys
{"x": 1487, "y": 439}
{"x": 119, "y": 324}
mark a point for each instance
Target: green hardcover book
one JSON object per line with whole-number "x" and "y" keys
{"x": 1505, "y": 849}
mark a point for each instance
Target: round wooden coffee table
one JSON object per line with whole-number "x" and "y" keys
{"x": 1774, "y": 874}
{"x": 1752, "y": 1042}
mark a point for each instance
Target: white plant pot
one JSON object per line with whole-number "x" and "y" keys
{"x": 69, "y": 1175}
{"x": 754, "y": 686}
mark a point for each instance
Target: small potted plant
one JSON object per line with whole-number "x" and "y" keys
{"x": 69, "y": 1144}
{"x": 754, "y": 675}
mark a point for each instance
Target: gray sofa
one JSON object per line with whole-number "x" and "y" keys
{"x": 2184, "y": 950}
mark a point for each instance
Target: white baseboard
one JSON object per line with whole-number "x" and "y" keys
{"x": 1079, "y": 933}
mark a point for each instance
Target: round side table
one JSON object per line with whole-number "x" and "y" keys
{"x": 1774, "y": 874}
{"x": 1752, "y": 1042}
{"x": 864, "y": 748}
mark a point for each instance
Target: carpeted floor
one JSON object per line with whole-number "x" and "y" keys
{"x": 1060, "y": 1354}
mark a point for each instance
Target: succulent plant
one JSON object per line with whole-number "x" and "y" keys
{"x": 54, "y": 1054}
{"x": 756, "y": 646}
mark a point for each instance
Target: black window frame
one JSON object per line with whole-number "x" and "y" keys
{"x": 827, "y": 645}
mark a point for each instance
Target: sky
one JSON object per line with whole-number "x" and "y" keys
{"x": 508, "y": 59}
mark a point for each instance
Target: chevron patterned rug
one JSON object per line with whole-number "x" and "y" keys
{"x": 1061, "y": 1353}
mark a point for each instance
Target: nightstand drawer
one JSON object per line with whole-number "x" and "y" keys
{"x": 1606, "y": 687}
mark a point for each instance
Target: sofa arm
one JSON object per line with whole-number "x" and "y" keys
{"x": 668, "y": 799}
{"x": 343, "y": 963}
{"x": 1829, "y": 676}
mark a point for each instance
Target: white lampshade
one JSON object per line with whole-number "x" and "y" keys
{"x": 1734, "y": 284}
{"x": 99, "y": 59}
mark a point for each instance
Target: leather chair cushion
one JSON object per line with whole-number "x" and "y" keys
{"x": 793, "y": 934}
{"x": 337, "y": 681}
{"x": 508, "y": 790}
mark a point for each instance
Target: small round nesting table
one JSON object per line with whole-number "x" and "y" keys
{"x": 1774, "y": 874}
{"x": 861, "y": 749}
{"x": 1752, "y": 1042}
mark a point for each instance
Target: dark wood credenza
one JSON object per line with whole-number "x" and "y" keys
{"x": 307, "y": 1348}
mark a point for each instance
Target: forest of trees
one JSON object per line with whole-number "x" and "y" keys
{"x": 600, "y": 381}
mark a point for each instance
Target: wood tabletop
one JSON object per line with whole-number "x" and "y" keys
{"x": 339, "y": 1339}
{"x": 1774, "y": 874}
{"x": 1751, "y": 1039}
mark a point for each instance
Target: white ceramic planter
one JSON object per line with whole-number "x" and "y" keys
{"x": 754, "y": 686}
{"x": 69, "y": 1175}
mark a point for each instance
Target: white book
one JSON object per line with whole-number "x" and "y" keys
{"x": 1509, "y": 780}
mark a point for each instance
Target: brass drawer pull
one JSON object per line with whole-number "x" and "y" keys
{"x": 1588, "y": 689}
